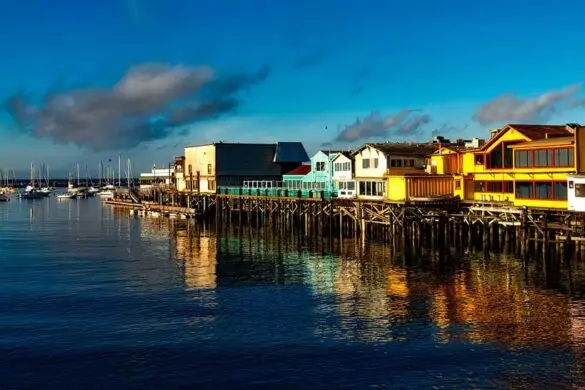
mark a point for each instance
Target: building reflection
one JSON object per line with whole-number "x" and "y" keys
{"x": 199, "y": 256}
{"x": 493, "y": 304}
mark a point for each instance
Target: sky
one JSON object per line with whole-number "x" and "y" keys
{"x": 87, "y": 81}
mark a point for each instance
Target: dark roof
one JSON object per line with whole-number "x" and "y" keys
{"x": 290, "y": 152}
{"x": 300, "y": 170}
{"x": 328, "y": 152}
{"x": 346, "y": 154}
{"x": 404, "y": 149}
{"x": 533, "y": 132}
{"x": 536, "y": 132}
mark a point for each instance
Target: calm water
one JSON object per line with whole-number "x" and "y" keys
{"x": 92, "y": 297}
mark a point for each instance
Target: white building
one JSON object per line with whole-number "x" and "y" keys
{"x": 343, "y": 175}
{"x": 157, "y": 177}
{"x": 576, "y": 193}
{"x": 374, "y": 161}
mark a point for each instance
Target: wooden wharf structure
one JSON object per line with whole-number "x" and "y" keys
{"x": 405, "y": 226}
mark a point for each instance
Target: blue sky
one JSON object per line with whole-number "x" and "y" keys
{"x": 309, "y": 69}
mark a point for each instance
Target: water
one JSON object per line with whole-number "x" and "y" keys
{"x": 92, "y": 297}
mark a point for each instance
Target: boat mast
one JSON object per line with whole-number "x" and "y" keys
{"x": 77, "y": 174}
{"x": 119, "y": 171}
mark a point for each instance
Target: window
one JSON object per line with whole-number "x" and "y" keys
{"x": 509, "y": 187}
{"x": 494, "y": 186}
{"x": 579, "y": 190}
{"x": 495, "y": 158}
{"x": 396, "y": 163}
{"x": 523, "y": 189}
{"x": 457, "y": 184}
{"x": 376, "y": 162}
{"x": 563, "y": 157}
{"x": 190, "y": 169}
{"x": 523, "y": 158}
{"x": 479, "y": 159}
{"x": 409, "y": 163}
{"x": 350, "y": 186}
{"x": 543, "y": 190}
{"x": 369, "y": 188}
{"x": 560, "y": 190}
{"x": 479, "y": 186}
{"x": 209, "y": 169}
{"x": 320, "y": 166}
{"x": 543, "y": 158}
{"x": 211, "y": 185}
{"x": 366, "y": 163}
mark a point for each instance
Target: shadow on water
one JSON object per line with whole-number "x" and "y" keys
{"x": 104, "y": 298}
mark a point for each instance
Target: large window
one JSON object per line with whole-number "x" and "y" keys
{"x": 501, "y": 156}
{"x": 396, "y": 163}
{"x": 556, "y": 190}
{"x": 563, "y": 157}
{"x": 558, "y": 157}
{"x": 342, "y": 167}
{"x": 560, "y": 190}
{"x": 524, "y": 158}
{"x": 346, "y": 185}
{"x": 543, "y": 190}
{"x": 366, "y": 163}
{"x": 372, "y": 188}
{"x": 506, "y": 186}
{"x": 524, "y": 189}
{"x": 320, "y": 166}
{"x": 543, "y": 158}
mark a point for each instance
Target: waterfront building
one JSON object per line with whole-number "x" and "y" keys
{"x": 223, "y": 164}
{"x": 343, "y": 175}
{"x": 179, "y": 165}
{"x": 374, "y": 162}
{"x": 294, "y": 179}
{"x": 321, "y": 175}
{"x": 162, "y": 178}
{"x": 522, "y": 165}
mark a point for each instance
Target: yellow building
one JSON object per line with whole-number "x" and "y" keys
{"x": 522, "y": 165}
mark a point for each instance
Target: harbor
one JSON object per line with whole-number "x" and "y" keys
{"x": 520, "y": 188}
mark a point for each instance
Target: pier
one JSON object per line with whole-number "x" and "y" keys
{"x": 405, "y": 226}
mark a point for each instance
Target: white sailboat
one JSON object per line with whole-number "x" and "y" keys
{"x": 32, "y": 191}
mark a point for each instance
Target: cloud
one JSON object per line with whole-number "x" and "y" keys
{"x": 510, "y": 108}
{"x": 150, "y": 102}
{"x": 376, "y": 126}
{"x": 412, "y": 126}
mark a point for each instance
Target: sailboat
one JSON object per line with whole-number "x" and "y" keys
{"x": 67, "y": 195}
{"x": 72, "y": 187}
{"x": 32, "y": 191}
{"x": 47, "y": 190}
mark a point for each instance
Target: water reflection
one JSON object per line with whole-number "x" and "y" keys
{"x": 368, "y": 296}
{"x": 360, "y": 293}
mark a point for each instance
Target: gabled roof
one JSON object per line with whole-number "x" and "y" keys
{"x": 290, "y": 152}
{"x": 532, "y": 132}
{"x": 345, "y": 154}
{"x": 557, "y": 141}
{"x": 299, "y": 171}
{"x": 402, "y": 148}
{"x": 536, "y": 132}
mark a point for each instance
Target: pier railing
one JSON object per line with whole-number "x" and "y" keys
{"x": 278, "y": 192}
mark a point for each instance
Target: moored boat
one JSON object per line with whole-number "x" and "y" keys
{"x": 4, "y": 197}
